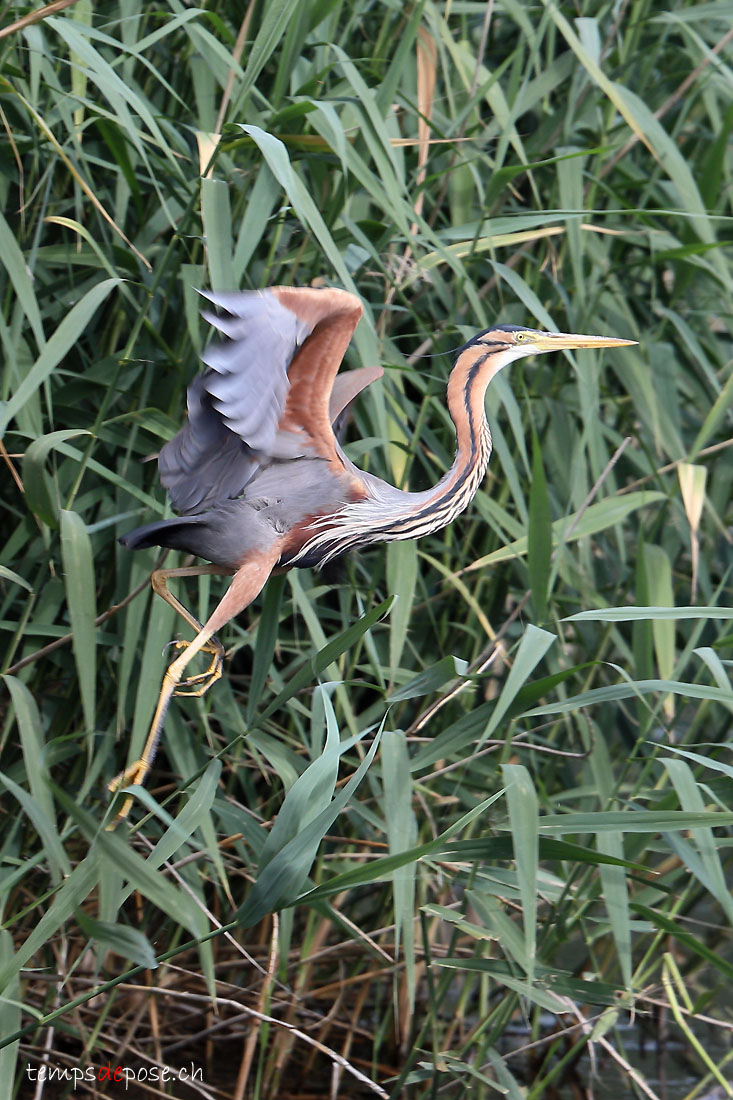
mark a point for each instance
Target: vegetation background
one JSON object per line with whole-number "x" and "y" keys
{"x": 472, "y": 840}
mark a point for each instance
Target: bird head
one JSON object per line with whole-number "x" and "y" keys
{"x": 512, "y": 342}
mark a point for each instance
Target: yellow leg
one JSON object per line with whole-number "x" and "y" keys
{"x": 159, "y": 581}
{"x": 137, "y": 772}
{"x": 247, "y": 582}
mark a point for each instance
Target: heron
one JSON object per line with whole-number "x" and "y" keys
{"x": 258, "y": 475}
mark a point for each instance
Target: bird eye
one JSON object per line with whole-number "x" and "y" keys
{"x": 520, "y": 336}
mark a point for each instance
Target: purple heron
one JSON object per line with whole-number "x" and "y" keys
{"x": 260, "y": 479}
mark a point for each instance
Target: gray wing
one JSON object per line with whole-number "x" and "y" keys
{"x": 235, "y": 406}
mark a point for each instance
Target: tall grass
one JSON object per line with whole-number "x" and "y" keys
{"x": 399, "y": 830}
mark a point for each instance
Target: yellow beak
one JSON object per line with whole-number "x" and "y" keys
{"x": 559, "y": 341}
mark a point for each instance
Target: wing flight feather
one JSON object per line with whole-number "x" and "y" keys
{"x": 266, "y": 392}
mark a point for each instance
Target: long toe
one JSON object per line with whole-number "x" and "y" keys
{"x": 197, "y": 686}
{"x": 213, "y": 646}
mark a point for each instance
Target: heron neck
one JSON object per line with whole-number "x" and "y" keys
{"x": 387, "y": 514}
{"x": 467, "y": 387}
{"x": 432, "y": 509}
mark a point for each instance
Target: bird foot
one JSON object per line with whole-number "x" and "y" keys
{"x": 198, "y": 685}
{"x": 134, "y": 773}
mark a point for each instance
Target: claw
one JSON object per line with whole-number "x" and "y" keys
{"x": 198, "y": 685}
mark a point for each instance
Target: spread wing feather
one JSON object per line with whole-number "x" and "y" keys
{"x": 265, "y": 393}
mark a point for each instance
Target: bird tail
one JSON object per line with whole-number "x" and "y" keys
{"x": 173, "y": 533}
